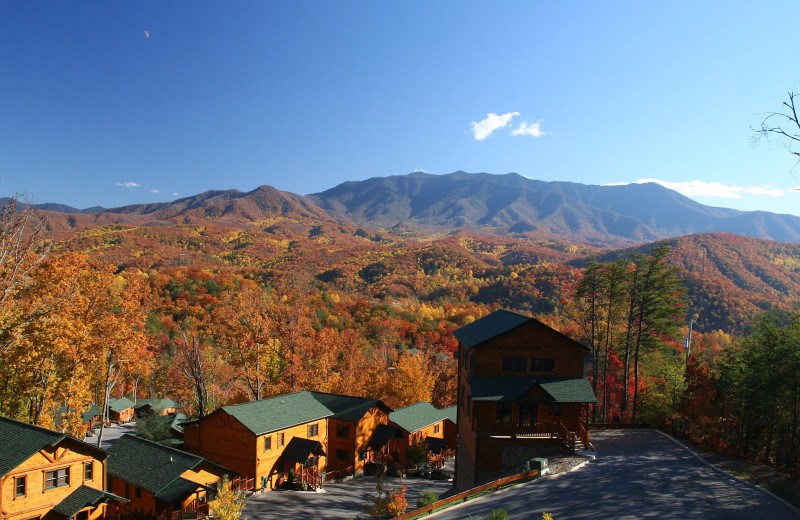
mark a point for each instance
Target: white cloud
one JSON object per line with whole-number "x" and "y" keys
{"x": 483, "y": 129}
{"x": 532, "y": 129}
{"x": 717, "y": 190}
{"x": 155, "y": 190}
{"x": 419, "y": 170}
{"x": 146, "y": 34}
{"x": 129, "y": 184}
{"x": 174, "y": 193}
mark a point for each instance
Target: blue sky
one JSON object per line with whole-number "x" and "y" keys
{"x": 113, "y": 103}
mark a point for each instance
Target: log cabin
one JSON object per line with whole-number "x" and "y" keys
{"x": 162, "y": 482}
{"x": 417, "y": 423}
{"x": 120, "y": 410}
{"x": 350, "y": 429}
{"x": 267, "y": 440}
{"x": 46, "y": 474}
{"x": 521, "y": 385}
{"x": 158, "y": 406}
{"x": 90, "y": 418}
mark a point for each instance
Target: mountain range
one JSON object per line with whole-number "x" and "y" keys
{"x": 453, "y": 237}
{"x": 506, "y": 205}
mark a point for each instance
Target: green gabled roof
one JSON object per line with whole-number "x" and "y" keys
{"x": 86, "y": 416}
{"x": 347, "y": 407}
{"x": 451, "y": 412}
{"x": 156, "y": 404}
{"x": 176, "y": 421}
{"x": 511, "y": 388}
{"x": 299, "y": 450}
{"x": 496, "y": 324}
{"x": 118, "y": 405}
{"x": 179, "y": 489}
{"x": 84, "y": 496}
{"x": 20, "y": 441}
{"x": 417, "y": 416}
{"x": 568, "y": 389}
{"x": 152, "y": 466}
{"x": 500, "y": 388}
{"x": 488, "y": 327}
{"x": 279, "y": 412}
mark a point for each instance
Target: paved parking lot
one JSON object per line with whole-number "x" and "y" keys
{"x": 637, "y": 474}
{"x": 110, "y": 434}
{"x": 339, "y": 500}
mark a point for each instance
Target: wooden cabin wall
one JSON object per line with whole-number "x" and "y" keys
{"x": 38, "y": 500}
{"x": 267, "y": 462}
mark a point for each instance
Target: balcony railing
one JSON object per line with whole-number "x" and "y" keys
{"x": 510, "y": 429}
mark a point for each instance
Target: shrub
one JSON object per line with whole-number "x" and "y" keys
{"x": 439, "y": 474}
{"x": 498, "y": 514}
{"x": 397, "y": 503}
{"x": 427, "y": 498}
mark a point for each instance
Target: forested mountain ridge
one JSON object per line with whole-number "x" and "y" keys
{"x": 267, "y": 233}
{"x": 613, "y": 216}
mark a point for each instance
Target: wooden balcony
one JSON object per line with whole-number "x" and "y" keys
{"x": 514, "y": 430}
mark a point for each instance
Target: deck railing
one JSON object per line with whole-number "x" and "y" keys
{"x": 508, "y": 429}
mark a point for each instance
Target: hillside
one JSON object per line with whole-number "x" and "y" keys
{"x": 609, "y": 216}
{"x": 268, "y": 233}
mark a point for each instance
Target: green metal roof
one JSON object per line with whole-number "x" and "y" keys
{"x": 84, "y": 496}
{"x": 279, "y": 412}
{"x": 417, "y": 416}
{"x": 451, "y": 412}
{"x": 496, "y": 324}
{"x": 568, "y": 389}
{"x": 382, "y": 435}
{"x": 177, "y": 420}
{"x": 118, "y": 405}
{"x": 86, "y": 416}
{"x": 20, "y": 441}
{"x": 346, "y": 407}
{"x": 152, "y": 466}
{"x": 511, "y": 388}
{"x": 179, "y": 489}
{"x": 488, "y": 327}
{"x": 500, "y": 388}
{"x": 299, "y": 450}
{"x": 156, "y": 404}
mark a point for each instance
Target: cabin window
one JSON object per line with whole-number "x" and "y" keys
{"x": 313, "y": 430}
{"x": 342, "y": 454}
{"x": 268, "y": 443}
{"x": 127, "y": 490}
{"x": 56, "y": 478}
{"x": 137, "y": 492}
{"x": 555, "y": 409}
{"x": 280, "y": 439}
{"x": 88, "y": 472}
{"x": 503, "y": 411}
{"x": 435, "y": 428}
{"x": 312, "y": 462}
{"x": 20, "y": 485}
{"x": 514, "y": 364}
{"x": 343, "y": 430}
{"x": 543, "y": 365}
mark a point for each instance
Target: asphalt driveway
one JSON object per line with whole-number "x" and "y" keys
{"x": 339, "y": 500}
{"x": 637, "y": 474}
